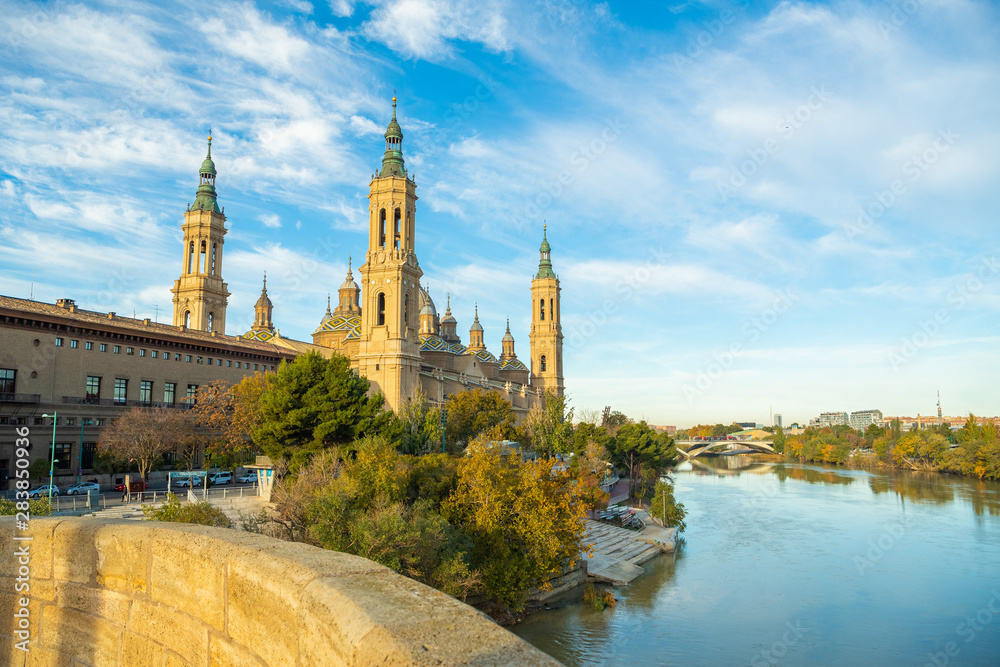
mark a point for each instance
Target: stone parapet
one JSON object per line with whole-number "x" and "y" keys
{"x": 113, "y": 592}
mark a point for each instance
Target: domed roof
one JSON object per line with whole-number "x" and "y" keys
{"x": 263, "y": 301}
{"x": 208, "y": 166}
{"x": 486, "y": 355}
{"x": 349, "y": 280}
{"x": 448, "y": 317}
{"x": 476, "y": 326}
{"x": 507, "y": 338}
{"x": 512, "y": 365}
{"x": 425, "y": 302}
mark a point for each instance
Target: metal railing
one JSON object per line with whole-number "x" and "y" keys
{"x": 116, "y": 403}
{"x": 10, "y": 397}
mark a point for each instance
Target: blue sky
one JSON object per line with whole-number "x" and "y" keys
{"x": 752, "y": 206}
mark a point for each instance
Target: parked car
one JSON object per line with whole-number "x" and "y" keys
{"x": 43, "y": 491}
{"x": 83, "y": 488}
{"x": 181, "y": 482}
{"x": 220, "y": 478}
{"x": 119, "y": 487}
{"x": 248, "y": 478}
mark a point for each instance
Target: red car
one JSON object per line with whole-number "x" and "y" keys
{"x": 120, "y": 488}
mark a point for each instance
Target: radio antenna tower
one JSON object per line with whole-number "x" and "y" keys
{"x": 939, "y": 408}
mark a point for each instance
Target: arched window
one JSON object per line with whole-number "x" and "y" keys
{"x": 381, "y": 309}
{"x": 187, "y": 318}
{"x": 201, "y": 259}
{"x": 396, "y": 229}
{"x": 381, "y": 228}
{"x": 213, "y": 258}
{"x": 552, "y": 311}
{"x": 541, "y": 363}
{"x": 406, "y": 312}
{"x": 541, "y": 309}
{"x": 211, "y": 320}
{"x": 190, "y": 261}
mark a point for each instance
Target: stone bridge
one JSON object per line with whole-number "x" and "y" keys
{"x": 118, "y": 592}
{"x": 689, "y": 449}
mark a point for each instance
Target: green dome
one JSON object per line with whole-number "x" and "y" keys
{"x": 208, "y": 167}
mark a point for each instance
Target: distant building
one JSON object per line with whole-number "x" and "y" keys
{"x": 746, "y": 425}
{"x": 669, "y": 430}
{"x": 777, "y": 421}
{"x": 833, "y": 419}
{"x": 862, "y": 419}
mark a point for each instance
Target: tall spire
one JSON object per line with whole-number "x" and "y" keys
{"x": 205, "y": 199}
{"x": 392, "y": 160}
{"x": 545, "y": 263}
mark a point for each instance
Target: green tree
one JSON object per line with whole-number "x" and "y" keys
{"x": 550, "y": 425}
{"x": 477, "y": 411}
{"x": 39, "y": 469}
{"x": 312, "y": 404}
{"x": 636, "y": 447}
{"x": 778, "y": 441}
{"x": 663, "y": 506}
{"x": 418, "y": 429}
{"x": 201, "y": 513}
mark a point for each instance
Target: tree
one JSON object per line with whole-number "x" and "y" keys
{"x": 231, "y": 412}
{"x": 550, "y": 426}
{"x": 778, "y": 441}
{"x": 476, "y": 411}
{"x": 143, "y": 435}
{"x": 636, "y": 446}
{"x": 663, "y": 506}
{"x": 418, "y": 429}
{"x": 312, "y": 404}
{"x": 525, "y": 519}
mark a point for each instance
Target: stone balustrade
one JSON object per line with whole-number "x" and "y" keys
{"x": 113, "y": 592}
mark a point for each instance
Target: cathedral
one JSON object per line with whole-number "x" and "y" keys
{"x": 389, "y": 326}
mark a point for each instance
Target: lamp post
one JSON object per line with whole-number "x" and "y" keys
{"x": 52, "y": 462}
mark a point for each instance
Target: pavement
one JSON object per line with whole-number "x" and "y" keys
{"x": 618, "y": 553}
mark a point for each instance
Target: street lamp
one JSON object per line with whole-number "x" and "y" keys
{"x": 52, "y": 463}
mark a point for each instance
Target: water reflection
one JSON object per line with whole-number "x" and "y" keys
{"x": 781, "y": 544}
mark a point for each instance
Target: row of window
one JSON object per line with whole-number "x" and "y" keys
{"x": 145, "y": 390}
{"x": 68, "y": 421}
{"x": 155, "y": 354}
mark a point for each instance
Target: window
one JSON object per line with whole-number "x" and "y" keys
{"x": 88, "y": 455}
{"x": 117, "y": 349}
{"x": 88, "y": 345}
{"x": 128, "y": 350}
{"x": 93, "y": 386}
{"x": 70, "y": 421}
{"x": 153, "y": 354}
{"x": 213, "y": 265}
{"x": 229, "y": 363}
{"x": 199, "y": 360}
{"x": 39, "y": 421}
{"x": 99, "y": 421}
{"x": 74, "y": 344}
{"x": 255, "y": 366}
{"x": 541, "y": 311}
{"x": 64, "y": 455}
{"x": 142, "y": 353}
{"x": 187, "y": 358}
{"x": 177, "y": 356}
{"x": 211, "y": 320}
{"x": 121, "y": 391}
{"x": 218, "y": 362}
{"x": 210, "y": 361}
{"x": 381, "y": 228}
{"x": 192, "y": 391}
{"x": 146, "y": 392}
{"x": 541, "y": 363}
{"x": 191, "y": 258}
{"x": 169, "y": 392}
{"x": 58, "y": 342}
{"x": 238, "y": 364}
{"x": 187, "y": 319}
{"x": 552, "y": 311}
{"x": 396, "y": 230}
{"x": 104, "y": 347}
{"x": 7, "y": 380}
{"x": 406, "y": 311}
{"x": 381, "y": 310}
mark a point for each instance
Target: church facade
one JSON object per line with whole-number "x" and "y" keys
{"x": 388, "y": 326}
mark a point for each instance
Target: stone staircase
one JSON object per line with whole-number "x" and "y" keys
{"x": 619, "y": 543}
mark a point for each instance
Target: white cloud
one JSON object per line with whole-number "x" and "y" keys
{"x": 422, "y": 28}
{"x": 270, "y": 220}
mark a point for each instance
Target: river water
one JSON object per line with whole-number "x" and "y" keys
{"x": 787, "y": 564}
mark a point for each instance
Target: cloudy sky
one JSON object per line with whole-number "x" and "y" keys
{"x": 752, "y": 206}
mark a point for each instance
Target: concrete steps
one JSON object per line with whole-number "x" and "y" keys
{"x": 617, "y": 553}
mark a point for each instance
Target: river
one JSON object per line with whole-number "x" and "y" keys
{"x": 788, "y": 564}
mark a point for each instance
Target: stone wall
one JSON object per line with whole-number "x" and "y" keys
{"x": 105, "y": 592}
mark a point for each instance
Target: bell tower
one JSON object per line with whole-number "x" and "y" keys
{"x": 389, "y": 346}
{"x": 546, "y": 329}
{"x": 200, "y": 296}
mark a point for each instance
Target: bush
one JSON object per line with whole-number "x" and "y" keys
{"x": 201, "y": 513}
{"x": 40, "y": 507}
{"x": 663, "y": 506}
